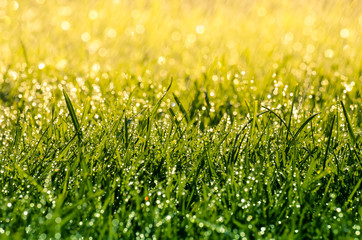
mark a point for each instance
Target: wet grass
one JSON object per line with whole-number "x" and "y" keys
{"x": 152, "y": 129}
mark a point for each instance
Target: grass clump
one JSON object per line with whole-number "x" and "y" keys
{"x": 164, "y": 120}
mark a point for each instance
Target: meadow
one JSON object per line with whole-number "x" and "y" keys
{"x": 210, "y": 119}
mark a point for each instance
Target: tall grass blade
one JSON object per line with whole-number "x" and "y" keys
{"x": 284, "y": 123}
{"x": 253, "y": 125}
{"x": 126, "y": 139}
{"x": 328, "y": 143}
{"x": 295, "y": 136}
{"x": 349, "y": 125}
{"x": 291, "y": 112}
{"x": 73, "y": 116}
{"x": 179, "y": 104}
{"x": 157, "y": 105}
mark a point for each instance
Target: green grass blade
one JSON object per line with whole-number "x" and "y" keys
{"x": 87, "y": 106}
{"x": 254, "y": 123}
{"x": 300, "y": 164}
{"x": 73, "y": 116}
{"x": 300, "y": 129}
{"x": 328, "y": 143}
{"x": 18, "y": 130}
{"x": 284, "y": 123}
{"x": 354, "y": 190}
{"x": 303, "y": 125}
{"x": 179, "y": 104}
{"x": 154, "y": 109}
{"x": 349, "y": 125}
{"x": 126, "y": 137}
{"x": 174, "y": 119}
{"x": 291, "y": 112}
{"x": 37, "y": 144}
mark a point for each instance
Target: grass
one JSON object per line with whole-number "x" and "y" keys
{"x": 168, "y": 119}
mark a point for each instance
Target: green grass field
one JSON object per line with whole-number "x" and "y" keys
{"x": 135, "y": 119}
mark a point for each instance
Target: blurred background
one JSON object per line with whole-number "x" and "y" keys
{"x": 235, "y": 51}
{"x": 182, "y": 36}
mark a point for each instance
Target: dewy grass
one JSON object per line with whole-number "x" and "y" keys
{"x": 177, "y": 120}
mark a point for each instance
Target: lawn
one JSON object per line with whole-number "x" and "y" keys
{"x": 166, "y": 119}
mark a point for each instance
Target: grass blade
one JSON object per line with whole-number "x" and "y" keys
{"x": 349, "y": 125}
{"x": 73, "y": 116}
{"x": 300, "y": 129}
{"x": 354, "y": 190}
{"x": 295, "y": 136}
{"x": 284, "y": 123}
{"x": 328, "y": 143}
{"x": 154, "y": 109}
{"x": 179, "y": 104}
{"x": 291, "y": 111}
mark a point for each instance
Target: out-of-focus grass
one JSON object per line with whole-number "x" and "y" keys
{"x": 231, "y": 150}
